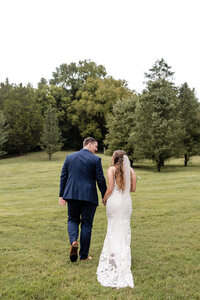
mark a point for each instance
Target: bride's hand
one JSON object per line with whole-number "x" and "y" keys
{"x": 104, "y": 201}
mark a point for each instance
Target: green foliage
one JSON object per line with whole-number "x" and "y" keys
{"x": 121, "y": 124}
{"x": 71, "y": 77}
{"x": 95, "y": 101}
{"x": 190, "y": 118}
{"x": 59, "y": 98}
{"x": 53, "y": 96}
{"x": 5, "y": 89}
{"x": 3, "y": 133}
{"x": 45, "y": 97}
{"x": 24, "y": 119}
{"x": 160, "y": 70}
{"x": 66, "y": 87}
{"x": 165, "y": 124}
{"x": 50, "y": 141}
{"x": 158, "y": 133}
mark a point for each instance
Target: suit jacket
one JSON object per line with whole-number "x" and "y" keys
{"x": 80, "y": 172}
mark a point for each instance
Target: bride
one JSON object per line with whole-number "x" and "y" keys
{"x": 114, "y": 269}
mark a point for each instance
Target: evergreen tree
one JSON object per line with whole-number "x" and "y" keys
{"x": 190, "y": 117}
{"x": 121, "y": 126}
{"x": 158, "y": 133}
{"x": 5, "y": 90}
{"x": 56, "y": 96}
{"x": 50, "y": 141}
{"x": 3, "y": 133}
{"x": 24, "y": 119}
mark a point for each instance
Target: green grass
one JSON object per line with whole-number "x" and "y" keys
{"x": 34, "y": 245}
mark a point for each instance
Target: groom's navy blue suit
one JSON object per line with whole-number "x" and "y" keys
{"x": 80, "y": 172}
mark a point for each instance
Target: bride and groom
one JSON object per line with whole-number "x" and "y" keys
{"x": 80, "y": 172}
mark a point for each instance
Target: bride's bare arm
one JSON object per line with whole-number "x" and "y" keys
{"x": 133, "y": 181}
{"x": 110, "y": 184}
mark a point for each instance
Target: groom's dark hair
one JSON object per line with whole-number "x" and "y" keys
{"x": 88, "y": 140}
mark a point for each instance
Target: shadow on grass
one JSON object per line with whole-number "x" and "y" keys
{"x": 39, "y": 156}
{"x": 33, "y": 157}
{"x": 166, "y": 169}
{"x": 7, "y": 156}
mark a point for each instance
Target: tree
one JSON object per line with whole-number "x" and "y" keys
{"x": 64, "y": 88}
{"x": 71, "y": 77}
{"x": 190, "y": 118}
{"x": 24, "y": 119}
{"x": 5, "y": 89}
{"x": 57, "y": 97}
{"x": 160, "y": 71}
{"x": 50, "y": 141}
{"x": 158, "y": 134}
{"x": 3, "y": 133}
{"x": 96, "y": 99}
{"x": 121, "y": 125}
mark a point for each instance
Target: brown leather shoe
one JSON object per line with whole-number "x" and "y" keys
{"x": 86, "y": 259}
{"x": 73, "y": 252}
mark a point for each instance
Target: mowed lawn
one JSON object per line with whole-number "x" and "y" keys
{"x": 34, "y": 256}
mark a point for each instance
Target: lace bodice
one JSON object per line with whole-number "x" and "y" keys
{"x": 116, "y": 188}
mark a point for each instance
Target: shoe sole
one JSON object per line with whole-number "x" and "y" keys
{"x": 73, "y": 253}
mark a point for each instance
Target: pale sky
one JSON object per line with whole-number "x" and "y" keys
{"x": 127, "y": 37}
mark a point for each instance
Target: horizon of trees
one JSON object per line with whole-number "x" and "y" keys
{"x": 161, "y": 122}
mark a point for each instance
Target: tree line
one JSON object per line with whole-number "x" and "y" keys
{"x": 82, "y": 100}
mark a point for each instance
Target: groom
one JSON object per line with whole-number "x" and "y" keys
{"x": 80, "y": 172}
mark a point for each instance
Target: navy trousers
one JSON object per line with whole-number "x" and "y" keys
{"x": 81, "y": 212}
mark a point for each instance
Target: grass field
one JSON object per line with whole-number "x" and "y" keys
{"x": 34, "y": 257}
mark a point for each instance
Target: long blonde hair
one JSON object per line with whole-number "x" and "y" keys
{"x": 117, "y": 160}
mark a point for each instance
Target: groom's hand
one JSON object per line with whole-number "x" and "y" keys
{"x": 104, "y": 202}
{"x": 62, "y": 202}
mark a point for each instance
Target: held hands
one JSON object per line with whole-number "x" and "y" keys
{"x": 61, "y": 201}
{"x": 104, "y": 201}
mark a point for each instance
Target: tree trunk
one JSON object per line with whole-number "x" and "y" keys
{"x": 186, "y": 160}
{"x": 131, "y": 162}
{"x": 159, "y": 166}
{"x": 50, "y": 156}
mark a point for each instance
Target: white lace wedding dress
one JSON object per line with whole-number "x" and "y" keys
{"x": 114, "y": 269}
